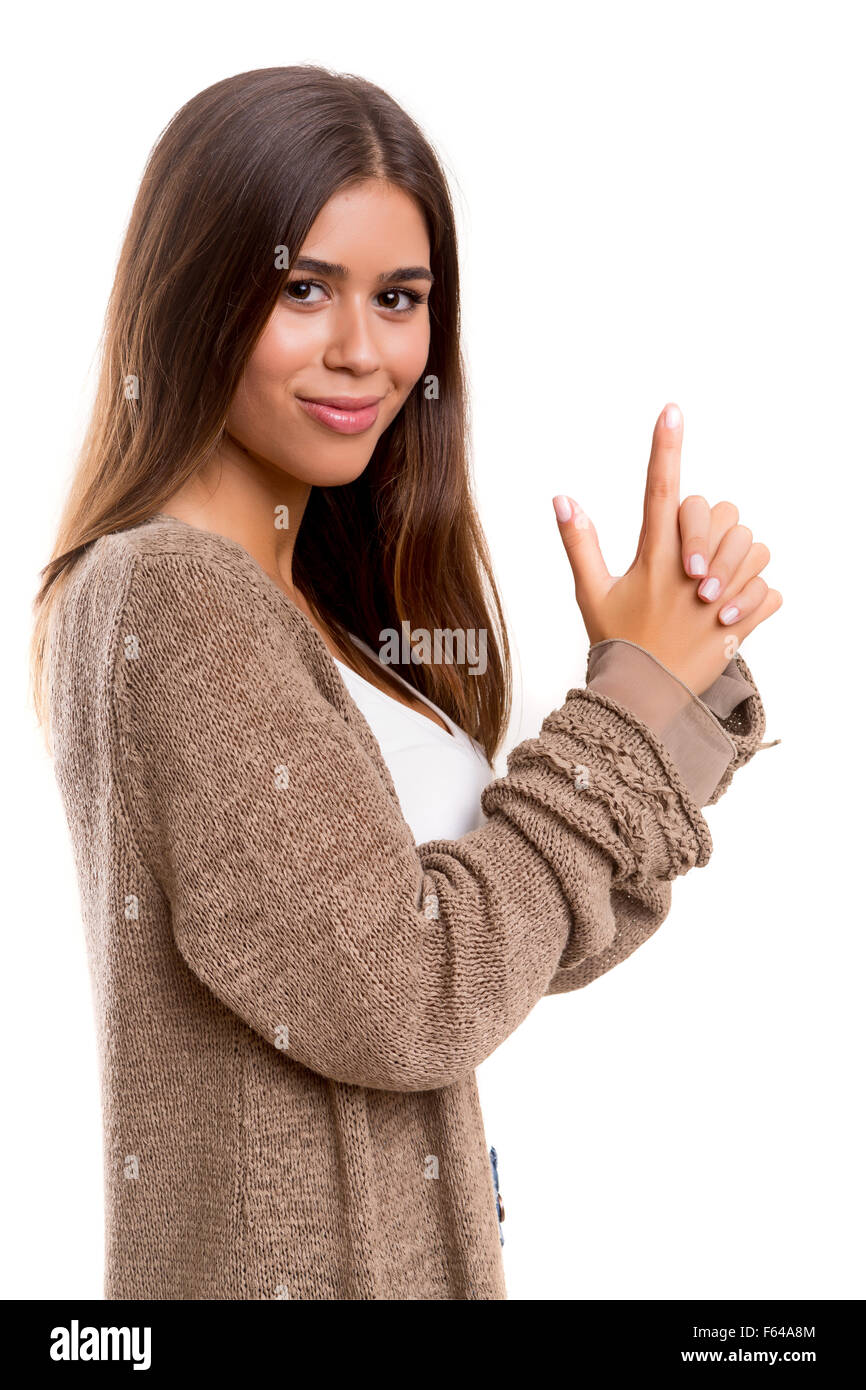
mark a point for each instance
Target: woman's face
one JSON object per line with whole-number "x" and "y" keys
{"x": 351, "y": 326}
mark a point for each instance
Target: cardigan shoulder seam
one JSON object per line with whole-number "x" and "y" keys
{"x": 135, "y": 562}
{"x": 115, "y": 741}
{"x": 206, "y": 550}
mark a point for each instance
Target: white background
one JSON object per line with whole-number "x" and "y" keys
{"x": 656, "y": 202}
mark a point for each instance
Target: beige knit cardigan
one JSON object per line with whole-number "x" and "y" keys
{"x": 291, "y": 995}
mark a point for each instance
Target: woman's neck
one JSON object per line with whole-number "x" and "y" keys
{"x": 248, "y": 501}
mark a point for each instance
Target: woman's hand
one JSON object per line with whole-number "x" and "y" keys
{"x": 693, "y": 590}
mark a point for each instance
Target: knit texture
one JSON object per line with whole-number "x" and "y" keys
{"x": 291, "y": 995}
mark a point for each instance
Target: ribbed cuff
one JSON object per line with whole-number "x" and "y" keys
{"x": 684, "y": 722}
{"x": 597, "y": 769}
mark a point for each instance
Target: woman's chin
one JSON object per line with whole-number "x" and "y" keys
{"x": 330, "y": 473}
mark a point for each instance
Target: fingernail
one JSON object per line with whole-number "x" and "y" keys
{"x": 672, "y": 417}
{"x": 562, "y": 507}
{"x": 697, "y": 565}
{"x": 711, "y": 588}
{"x": 728, "y": 614}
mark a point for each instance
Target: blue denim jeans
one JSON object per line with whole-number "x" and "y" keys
{"x": 494, "y": 1168}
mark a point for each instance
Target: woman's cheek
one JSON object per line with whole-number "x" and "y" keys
{"x": 410, "y": 367}
{"x": 285, "y": 348}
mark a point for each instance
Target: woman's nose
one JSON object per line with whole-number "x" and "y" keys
{"x": 353, "y": 344}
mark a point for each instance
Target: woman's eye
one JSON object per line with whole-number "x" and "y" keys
{"x": 300, "y": 291}
{"x": 395, "y": 294}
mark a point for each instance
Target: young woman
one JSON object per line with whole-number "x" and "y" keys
{"x": 311, "y": 910}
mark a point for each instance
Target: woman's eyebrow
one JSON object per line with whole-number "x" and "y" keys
{"x": 341, "y": 272}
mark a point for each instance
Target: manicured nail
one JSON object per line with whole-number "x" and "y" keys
{"x": 672, "y": 417}
{"x": 697, "y": 565}
{"x": 562, "y": 507}
{"x": 728, "y": 614}
{"x": 711, "y": 588}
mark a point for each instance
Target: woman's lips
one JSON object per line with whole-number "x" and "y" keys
{"x": 342, "y": 417}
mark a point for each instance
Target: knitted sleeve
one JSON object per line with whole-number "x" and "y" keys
{"x": 296, "y": 891}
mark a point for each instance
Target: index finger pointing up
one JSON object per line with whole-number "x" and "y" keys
{"x": 662, "y": 496}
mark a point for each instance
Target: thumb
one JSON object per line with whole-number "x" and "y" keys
{"x": 591, "y": 577}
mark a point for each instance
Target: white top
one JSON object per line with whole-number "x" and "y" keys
{"x": 438, "y": 776}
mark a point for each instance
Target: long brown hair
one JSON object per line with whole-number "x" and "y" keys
{"x": 242, "y": 168}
